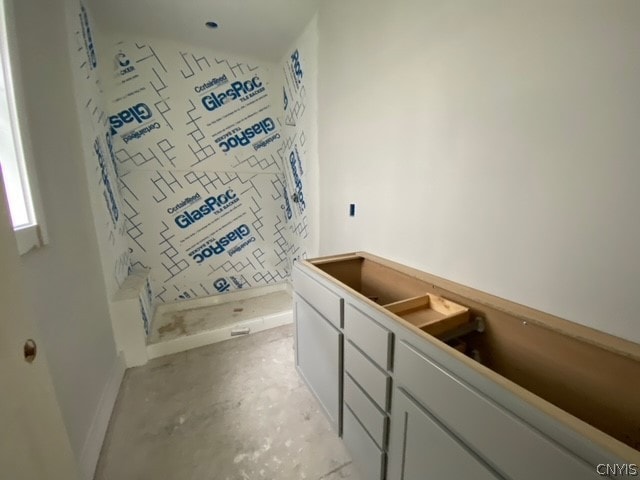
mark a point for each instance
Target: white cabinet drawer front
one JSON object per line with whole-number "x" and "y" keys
{"x": 514, "y": 448}
{"x": 422, "y": 448}
{"x": 372, "y": 380}
{"x": 372, "y": 338}
{"x": 370, "y": 415}
{"x": 367, "y": 457}
{"x": 318, "y": 345}
{"x": 320, "y": 297}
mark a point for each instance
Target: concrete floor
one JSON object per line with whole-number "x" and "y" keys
{"x": 231, "y": 410}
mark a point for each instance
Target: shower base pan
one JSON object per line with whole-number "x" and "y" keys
{"x": 182, "y": 326}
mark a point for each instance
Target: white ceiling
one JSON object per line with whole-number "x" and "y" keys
{"x": 261, "y": 29}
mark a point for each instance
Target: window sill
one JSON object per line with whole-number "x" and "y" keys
{"x": 28, "y": 238}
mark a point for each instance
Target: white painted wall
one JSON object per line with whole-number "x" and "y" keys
{"x": 492, "y": 143}
{"x": 63, "y": 280}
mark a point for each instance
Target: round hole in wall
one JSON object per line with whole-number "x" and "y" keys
{"x": 211, "y": 24}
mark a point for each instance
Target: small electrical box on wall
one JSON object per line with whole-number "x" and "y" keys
{"x": 352, "y": 209}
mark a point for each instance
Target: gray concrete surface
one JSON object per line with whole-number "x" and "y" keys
{"x": 234, "y": 410}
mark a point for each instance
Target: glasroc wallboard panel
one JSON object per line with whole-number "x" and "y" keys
{"x": 206, "y": 227}
{"x": 205, "y": 172}
{"x": 176, "y": 109}
{"x": 102, "y": 169}
{"x": 297, "y": 73}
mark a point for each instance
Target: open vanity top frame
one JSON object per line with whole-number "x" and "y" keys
{"x": 584, "y": 378}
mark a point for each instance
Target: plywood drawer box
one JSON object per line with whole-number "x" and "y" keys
{"x": 430, "y": 313}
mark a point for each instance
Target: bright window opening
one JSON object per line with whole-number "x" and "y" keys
{"x": 15, "y": 148}
{"x": 13, "y": 168}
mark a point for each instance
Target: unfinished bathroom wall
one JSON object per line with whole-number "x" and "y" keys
{"x": 197, "y": 134}
{"x": 107, "y": 203}
{"x": 298, "y": 73}
{"x": 104, "y": 187}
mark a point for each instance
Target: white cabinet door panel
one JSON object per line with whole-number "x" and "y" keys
{"x": 515, "y": 448}
{"x": 319, "y": 357}
{"x": 422, "y": 449}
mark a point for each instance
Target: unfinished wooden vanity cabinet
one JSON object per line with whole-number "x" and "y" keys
{"x": 437, "y": 380}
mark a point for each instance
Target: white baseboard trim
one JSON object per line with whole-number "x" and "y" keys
{"x": 98, "y": 429}
{"x": 213, "y": 336}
